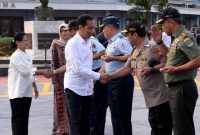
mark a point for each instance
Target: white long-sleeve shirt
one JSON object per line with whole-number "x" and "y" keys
{"x": 20, "y": 75}
{"x": 79, "y": 75}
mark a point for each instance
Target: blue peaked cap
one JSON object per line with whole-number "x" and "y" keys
{"x": 110, "y": 20}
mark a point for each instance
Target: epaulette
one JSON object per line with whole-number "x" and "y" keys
{"x": 181, "y": 37}
{"x": 184, "y": 35}
{"x": 133, "y": 49}
{"x": 121, "y": 36}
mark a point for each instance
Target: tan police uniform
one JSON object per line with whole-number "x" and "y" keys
{"x": 153, "y": 87}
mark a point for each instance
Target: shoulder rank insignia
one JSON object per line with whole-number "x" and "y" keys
{"x": 121, "y": 37}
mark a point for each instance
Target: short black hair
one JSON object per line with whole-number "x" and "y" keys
{"x": 73, "y": 24}
{"x": 17, "y": 37}
{"x": 82, "y": 19}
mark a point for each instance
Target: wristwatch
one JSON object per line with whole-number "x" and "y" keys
{"x": 153, "y": 69}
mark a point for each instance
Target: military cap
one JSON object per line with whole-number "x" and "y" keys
{"x": 110, "y": 20}
{"x": 169, "y": 13}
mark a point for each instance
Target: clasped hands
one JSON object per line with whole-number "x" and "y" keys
{"x": 48, "y": 73}
{"x": 104, "y": 78}
{"x": 107, "y": 58}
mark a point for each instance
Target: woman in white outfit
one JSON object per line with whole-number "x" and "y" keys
{"x": 21, "y": 82}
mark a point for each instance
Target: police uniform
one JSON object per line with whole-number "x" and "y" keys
{"x": 156, "y": 96}
{"x": 182, "y": 88}
{"x": 120, "y": 90}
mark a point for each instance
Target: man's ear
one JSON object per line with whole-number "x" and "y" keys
{"x": 17, "y": 42}
{"x": 80, "y": 26}
{"x": 135, "y": 34}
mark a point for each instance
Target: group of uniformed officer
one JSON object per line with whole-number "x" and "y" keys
{"x": 171, "y": 98}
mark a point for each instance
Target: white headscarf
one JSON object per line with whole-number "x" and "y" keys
{"x": 56, "y": 41}
{"x": 63, "y": 25}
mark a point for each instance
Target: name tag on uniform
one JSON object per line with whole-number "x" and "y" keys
{"x": 141, "y": 64}
{"x": 133, "y": 63}
{"x": 110, "y": 49}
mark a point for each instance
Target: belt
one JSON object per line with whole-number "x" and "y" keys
{"x": 171, "y": 84}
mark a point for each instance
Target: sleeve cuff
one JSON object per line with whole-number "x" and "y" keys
{"x": 96, "y": 76}
{"x": 33, "y": 71}
{"x": 32, "y": 76}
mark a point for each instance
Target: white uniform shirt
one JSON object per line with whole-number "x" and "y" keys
{"x": 79, "y": 75}
{"x": 20, "y": 75}
{"x": 96, "y": 48}
{"x": 166, "y": 39}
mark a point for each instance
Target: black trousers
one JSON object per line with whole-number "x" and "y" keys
{"x": 20, "y": 115}
{"x": 182, "y": 99}
{"x": 120, "y": 96}
{"x": 99, "y": 108}
{"x": 79, "y": 111}
{"x": 160, "y": 119}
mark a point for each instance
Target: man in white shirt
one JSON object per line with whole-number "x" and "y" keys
{"x": 78, "y": 80}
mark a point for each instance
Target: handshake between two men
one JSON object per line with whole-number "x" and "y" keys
{"x": 48, "y": 73}
{"x": 104, "y": 78}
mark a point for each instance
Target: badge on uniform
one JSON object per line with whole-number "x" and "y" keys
{"x": 94, "y": 46}
{"x": 141, "y": 64}
{"x": 111, "y": 49}
{"x": 156, "y": 51}
{"x": 174, "y": 45}
{"x": 134, "y": 54}
{"x": 188, "y": 41}
{"x": 94, "y": 49}
{"x": 133, "y": 63}
{"x": 123, "y": 45}
{"x": 143, "y": 58}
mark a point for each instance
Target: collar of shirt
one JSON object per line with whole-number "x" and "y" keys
{"x": 178, "y": 32}
{"x": 114, "y": 37}
{"x": 92, "y": 37}
{"x": 21, "y": 52}
{"x": 80, "y": 39}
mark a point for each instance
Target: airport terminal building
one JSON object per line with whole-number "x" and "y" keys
{"x": 13, "y": 13}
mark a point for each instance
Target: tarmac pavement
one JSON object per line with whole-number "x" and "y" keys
{"x": 40, "y": 121}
